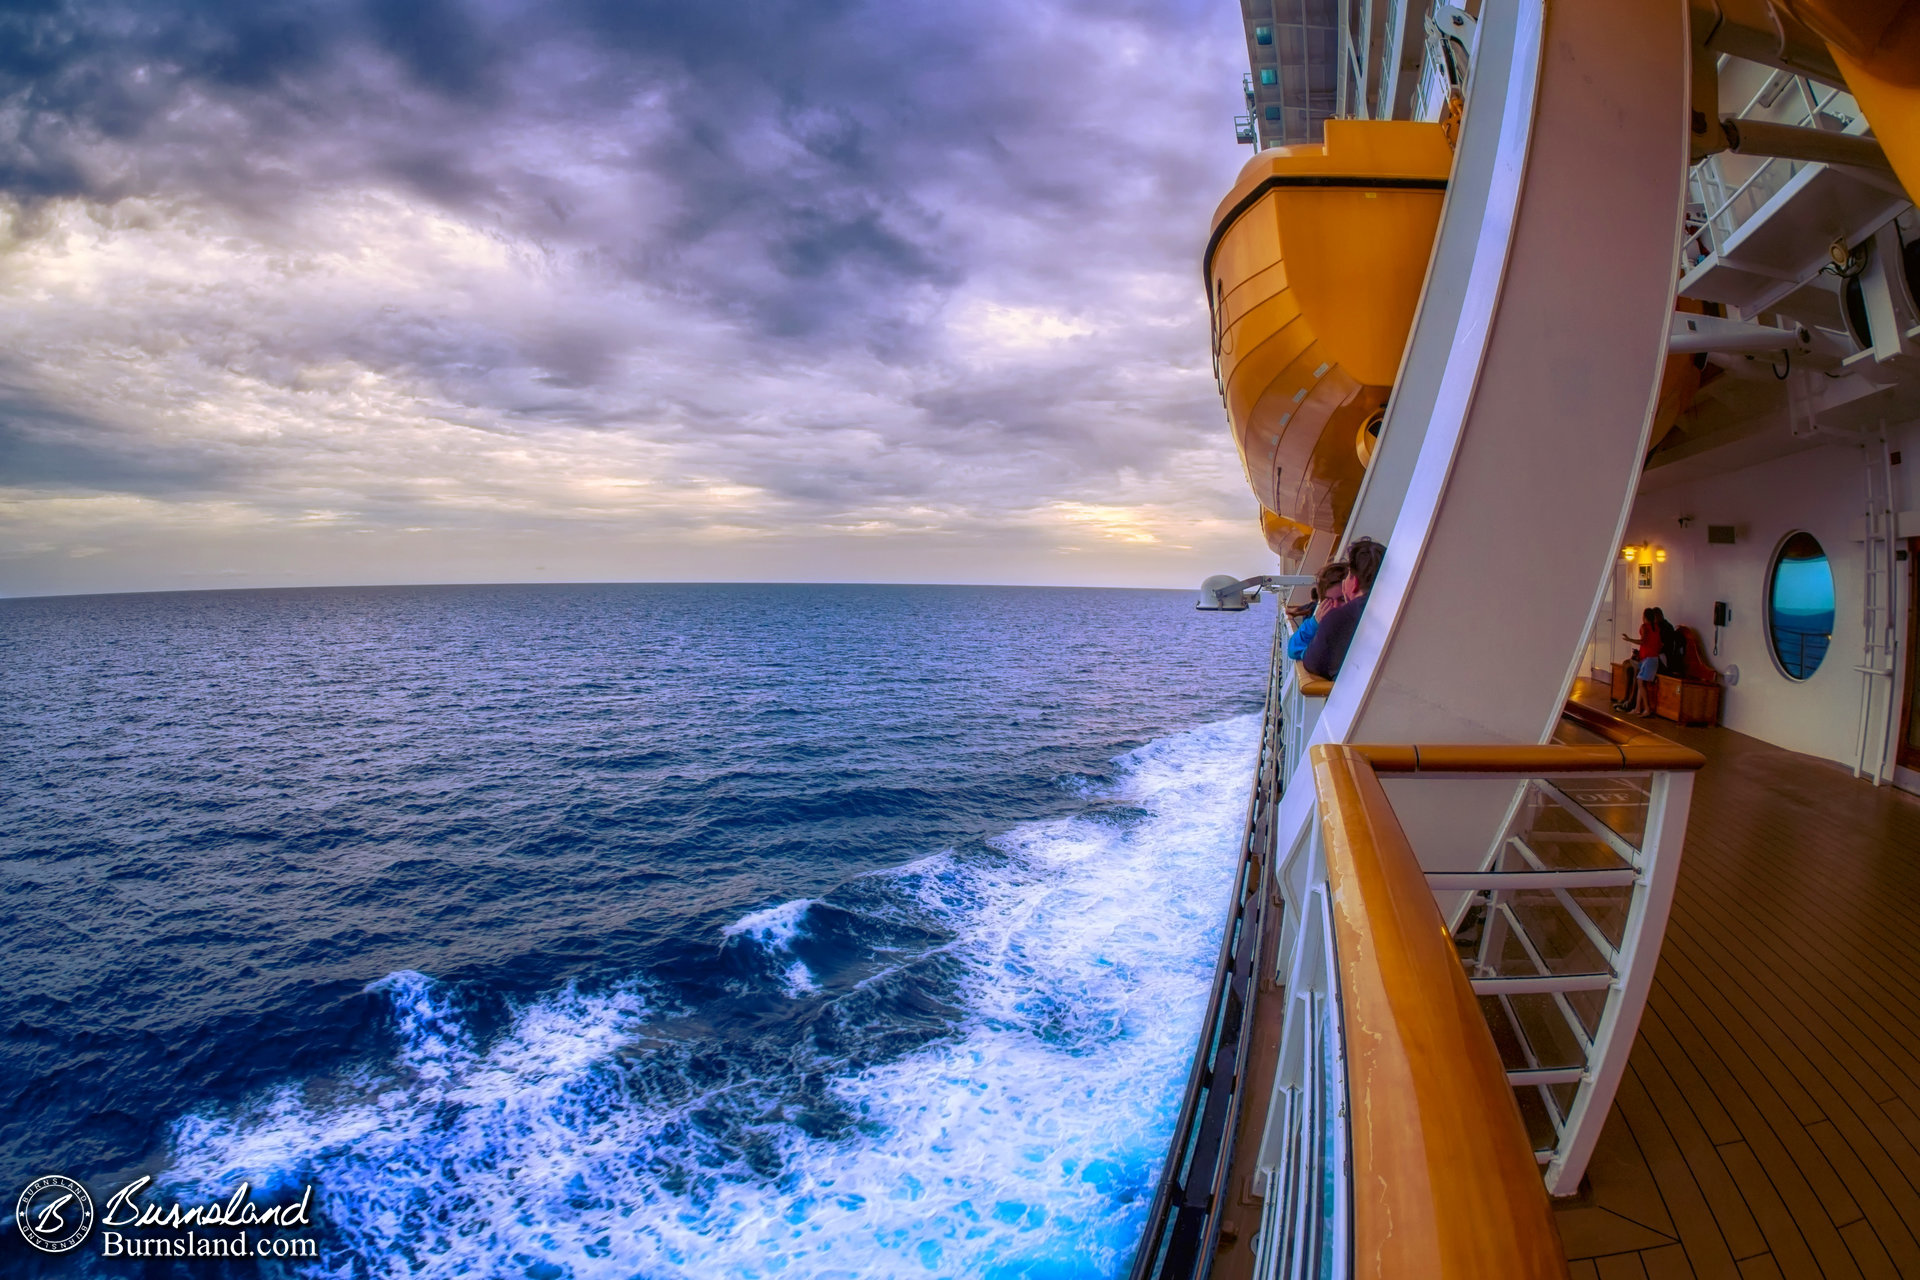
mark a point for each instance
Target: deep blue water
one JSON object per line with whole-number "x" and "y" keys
{"x": 619, "y": 930}
{"x": 1801, "y": 639}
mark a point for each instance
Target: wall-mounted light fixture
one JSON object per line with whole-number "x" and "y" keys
{"x": 1645, "y": 553}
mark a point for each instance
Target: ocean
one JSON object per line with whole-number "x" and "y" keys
{"x": 618, "y": 930}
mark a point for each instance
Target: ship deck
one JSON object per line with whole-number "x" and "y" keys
{"x": 1768, "y": 1124}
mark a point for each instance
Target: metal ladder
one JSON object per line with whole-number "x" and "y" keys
{"x": 1880, "y": 653}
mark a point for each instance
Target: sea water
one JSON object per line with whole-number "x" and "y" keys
{"x": 619, "y": 931}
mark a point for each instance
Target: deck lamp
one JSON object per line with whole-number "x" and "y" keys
{"x": 1224, "y": 593}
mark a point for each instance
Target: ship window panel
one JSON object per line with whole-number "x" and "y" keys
{"x": 1269, "y": 76}
{"x": 1800, "y": 605}
{"x": 1273, "y": 113}
{"x": 1263, "y": 35}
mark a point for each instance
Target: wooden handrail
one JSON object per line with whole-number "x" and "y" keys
{"x": 1309, "y": 684}
{"x": 1628, "y": 748}
{"x": 1443, "y": 1175}
{"x": 1610, "y": 726}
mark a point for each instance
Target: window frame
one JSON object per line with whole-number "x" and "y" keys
{"x": 1766, "y": 603}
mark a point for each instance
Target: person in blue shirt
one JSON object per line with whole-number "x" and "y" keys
{"x": 1326, "y": 594}
{"x": 1328, "y": 649}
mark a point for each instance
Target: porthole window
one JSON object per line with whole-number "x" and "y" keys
{"x": 1800, "y": 605}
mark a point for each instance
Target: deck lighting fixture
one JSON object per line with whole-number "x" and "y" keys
{"x": 1224, "y": 593}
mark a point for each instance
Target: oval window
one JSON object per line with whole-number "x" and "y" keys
{"x": 1800, "y": 605}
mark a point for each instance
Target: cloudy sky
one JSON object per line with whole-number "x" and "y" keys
{"x": 772, "y": 290}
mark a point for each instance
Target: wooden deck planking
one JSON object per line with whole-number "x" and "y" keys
{"x": 1853, "y": 1014}
{"x": 1803, "y": 1050}
{"x": 1769, "y": 1122}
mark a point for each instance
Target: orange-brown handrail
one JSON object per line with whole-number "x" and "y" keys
{"x": 1309, "y": 684}
{"x": 1610, "y": 726}
{"x": 1443, "y": 1176}
{"x": 1628, "y": 748}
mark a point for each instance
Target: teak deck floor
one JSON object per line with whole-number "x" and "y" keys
{"x": 1769, "y": 1121}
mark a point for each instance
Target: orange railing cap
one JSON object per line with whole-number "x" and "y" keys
{"x": 1628, "y": 748}
{"x": 1443, "y": 1175}
{"x": 1309, "y": 684}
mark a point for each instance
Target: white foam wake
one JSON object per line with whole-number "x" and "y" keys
{"x": 775, "y": 929}
{"x": 1023, "y": 1143}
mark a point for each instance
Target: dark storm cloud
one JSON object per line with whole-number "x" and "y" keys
{"x": 791, "y": 140}
{"x": 47, "y": 447}
{"x": 715, "y": 266}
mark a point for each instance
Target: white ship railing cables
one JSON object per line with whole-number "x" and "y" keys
{"x": 1183, "y": 1228}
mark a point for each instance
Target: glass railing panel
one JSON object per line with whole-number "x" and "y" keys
{"x": 1533, "y": 933}
{"x": 1619, "y": 801}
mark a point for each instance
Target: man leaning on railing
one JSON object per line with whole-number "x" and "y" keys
{"x": 1334, "y": 634}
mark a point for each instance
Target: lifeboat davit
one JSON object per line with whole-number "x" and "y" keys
{"x": 1314, "y": 270}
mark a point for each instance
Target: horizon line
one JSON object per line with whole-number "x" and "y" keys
{"x": 577, "y": 582}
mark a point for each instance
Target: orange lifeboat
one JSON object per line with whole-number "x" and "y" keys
{"x": 1876, "y": 44}
{"x": 1314, "y": 270}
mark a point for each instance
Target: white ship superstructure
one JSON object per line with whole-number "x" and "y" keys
{"x": 1581, "y": 310}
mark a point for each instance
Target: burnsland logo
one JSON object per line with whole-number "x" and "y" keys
{"x": 55, "y": 1214}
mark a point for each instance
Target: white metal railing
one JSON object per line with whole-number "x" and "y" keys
{"x": 1564, "y": 919}
{"x": 1558, "y": 927}
{"x": 1183, "y": 1227}
{"x": 1301, "y": 1174}
{"x": 1721, "y": 202}
{"x": 1299, "y": 716}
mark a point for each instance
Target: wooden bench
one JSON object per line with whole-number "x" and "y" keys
{"x": 1681, "y": 699}
{"x": 1686, "y": 701}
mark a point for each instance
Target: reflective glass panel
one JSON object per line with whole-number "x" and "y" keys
{"x": 1800, "y": 605}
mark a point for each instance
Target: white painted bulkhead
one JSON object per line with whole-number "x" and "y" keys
{"x": 1819, "y": 489}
